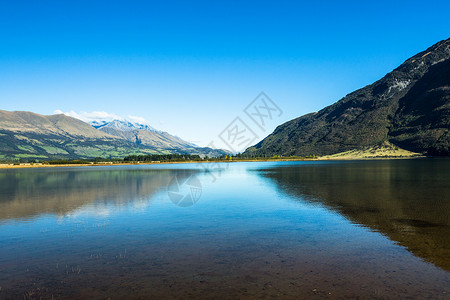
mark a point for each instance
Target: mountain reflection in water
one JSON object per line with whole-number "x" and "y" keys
{"x": 288, "y": 230}
{"x": 408, "y": 201}
{"x": 29, "y": 193}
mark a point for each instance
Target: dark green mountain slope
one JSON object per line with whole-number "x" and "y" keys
{"x": 422, "y": 121}
{"x": 409, "y": 107}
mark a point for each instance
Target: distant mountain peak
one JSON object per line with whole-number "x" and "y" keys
{"x": 98, "y": 124}
{"x": 122, "y": 125}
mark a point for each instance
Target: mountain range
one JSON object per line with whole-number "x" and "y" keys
{"x": 408, "y": 108}
{"x": 142, "y": 134}
{"x": 27, "y": 135}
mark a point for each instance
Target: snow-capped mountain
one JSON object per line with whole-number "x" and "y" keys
{"x": 142, "y": 134}
{"x": 98, "y": 124}
{"x": 122, "y": 125}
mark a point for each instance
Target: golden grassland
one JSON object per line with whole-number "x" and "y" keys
{"x": 385, "y": 150}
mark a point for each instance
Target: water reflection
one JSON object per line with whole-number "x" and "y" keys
{"x": 409, "y": 201}
{"x": 28, "y": 193}
{"x": 259, "y": 231}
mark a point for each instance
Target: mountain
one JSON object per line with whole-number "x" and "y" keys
{"x": 27, "y": 135}
{"x": 60, "y": 125}
{"x": 142, "y": 134}
{"x": 409, "y": 108}
{"x": 121, "y": 125}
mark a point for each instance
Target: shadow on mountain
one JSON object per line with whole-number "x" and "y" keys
{"x": 28, "y": 193}
{"x": 407, "y": 201}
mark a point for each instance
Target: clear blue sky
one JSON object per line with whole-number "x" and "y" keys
{"x": 191, "y": 67}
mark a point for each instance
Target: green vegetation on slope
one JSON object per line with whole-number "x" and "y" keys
{"x": 26, "y": 135}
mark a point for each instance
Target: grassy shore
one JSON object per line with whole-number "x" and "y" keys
{"x": 385, "y": 150}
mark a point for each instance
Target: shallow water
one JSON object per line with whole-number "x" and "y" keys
{"x": 367, "y": 230}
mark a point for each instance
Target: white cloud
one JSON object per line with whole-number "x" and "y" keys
{"x": 91, "y": 116}
{"x": 100, "y": 116}
{"x": 136, "y": 119}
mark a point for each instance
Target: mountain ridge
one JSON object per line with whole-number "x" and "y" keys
{"x": 142, "y": 134}
{"x": 122, "y": 124}
{"x": 27, "y": 135}
{"x": 386, "y": 110}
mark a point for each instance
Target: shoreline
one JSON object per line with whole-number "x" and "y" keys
{"x": 29, "y": 165}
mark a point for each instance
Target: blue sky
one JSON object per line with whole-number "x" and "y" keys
{"x": 191, "y": 67}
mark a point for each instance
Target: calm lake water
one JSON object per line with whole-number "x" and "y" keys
{"x": 292, "y": 230}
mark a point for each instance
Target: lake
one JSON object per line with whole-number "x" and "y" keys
{"x": 375, "y": 229}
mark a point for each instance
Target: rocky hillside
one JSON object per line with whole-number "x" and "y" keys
{"x": 409, "y": 107}
{"x": 141, "y": 134}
